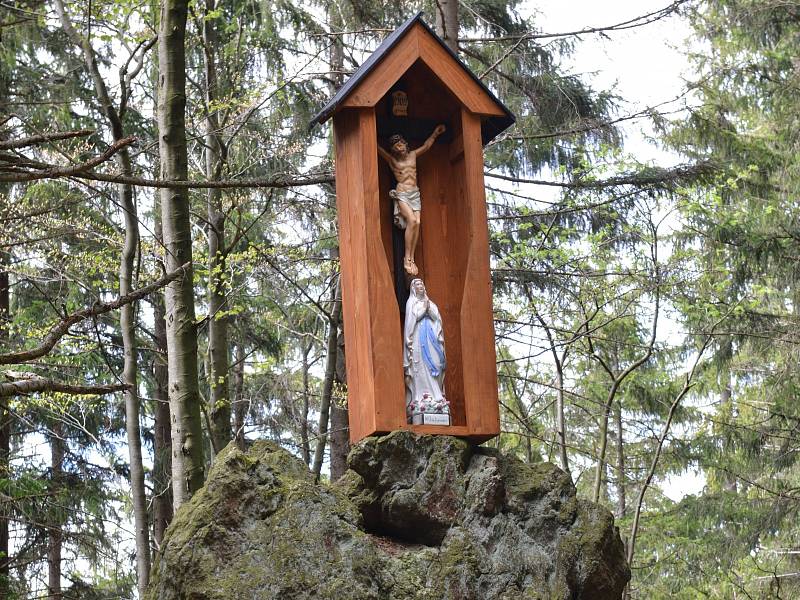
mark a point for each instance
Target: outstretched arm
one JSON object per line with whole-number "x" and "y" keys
{"x": 429, "y": 142}
{"x": 385, "y": 155}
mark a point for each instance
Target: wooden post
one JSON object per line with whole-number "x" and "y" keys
{"x": 477, "y": 322}
{"x": 371, "y": 316}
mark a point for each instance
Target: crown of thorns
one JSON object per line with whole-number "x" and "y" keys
{"x": 397, "y": 138}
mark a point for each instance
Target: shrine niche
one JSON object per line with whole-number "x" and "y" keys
{"x": 414, "y": 89}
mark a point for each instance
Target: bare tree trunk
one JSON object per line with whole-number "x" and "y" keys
{"x": 305, "y": 447}
{"x": 617, "y": 380}
{"x": 129, "y": 377}
{"x": 55, "y": 537}
{"x": 127, "y": 312}
{"x": 162, "y": 463}
{"x": 621, "y": 486}
{"x": 219, "y": 360}
{"x": 560, "y": 424}
{"x": 184, "y": 393}
{"x": 327, "y": 384}
{"x": 240, "y": 407}
{"x": 447, "y": 22}
{"x": 340, "y": 426}
{"x": 162, "y": 425}
{"x": 688, "y": 383}
{"x": 5, "y": 429}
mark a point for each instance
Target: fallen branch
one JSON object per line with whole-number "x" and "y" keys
{"x": 98, "y": 308}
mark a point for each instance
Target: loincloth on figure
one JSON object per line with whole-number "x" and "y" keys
{"x": 411, "y": 197}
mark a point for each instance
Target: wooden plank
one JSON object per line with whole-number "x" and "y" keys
{"x": 371, "y": 317}
{"x": 477, "y": 325}
{"x": 439, "y": 429}
{"x": 441, "y": 242}
{"x": 385, "y": 345}
{"x": 386, "y": 73}
{"x": 351, "y": 243}
{"x": 452, "y": 74}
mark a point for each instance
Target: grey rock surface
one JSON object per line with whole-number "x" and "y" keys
{"x": 416, "y": 517}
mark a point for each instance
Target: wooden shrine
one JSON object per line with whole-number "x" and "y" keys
{"x": 411, "y": 83}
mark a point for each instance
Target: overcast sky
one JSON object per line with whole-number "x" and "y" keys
{"x": 645, "y": 65}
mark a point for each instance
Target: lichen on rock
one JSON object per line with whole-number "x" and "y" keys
{"x": 416, "y": 517}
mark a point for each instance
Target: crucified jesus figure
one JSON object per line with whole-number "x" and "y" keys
{"x": 407, "y": 201}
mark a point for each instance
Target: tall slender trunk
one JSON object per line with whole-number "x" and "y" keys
{"x": 219, "y": 361}
{"x": 55, "y": 537}
{"x": 162, "y": 424}
{"x": 340, "y": 432}
{"x": 558, "y": 361}
{"x": 560, "y": 424}
{"x": 5, "y": 429}
{"x": 621, "y": 486}
{"x": 239, "y": 405}
{"x": 128, "y": 312}
{"x": 340, "y": 426}
{"x": 5, "y": 319}
{"x": 729, "y": 481}
{"x": 305, "y": 447}
{"x": 600, "y": 468}
{"x": 184, "y": 393}
{"x": 447, "y": 22}
{"x": 129, "y": 376}
{"x": 620, "y": 378}
{"x": 162, "y": 434}
{"x": 327, "y": 384}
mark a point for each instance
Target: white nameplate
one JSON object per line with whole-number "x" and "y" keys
{"x": 435, "y": 419}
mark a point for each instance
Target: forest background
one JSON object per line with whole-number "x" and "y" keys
{"x": 169, "y": 274}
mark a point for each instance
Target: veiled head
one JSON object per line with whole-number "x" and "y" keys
{"x": 418, "y": 288}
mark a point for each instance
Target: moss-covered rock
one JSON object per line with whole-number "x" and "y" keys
{"x": 417, "y": 517}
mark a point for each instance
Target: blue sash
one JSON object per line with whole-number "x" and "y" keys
{"x": 428, "y": 340}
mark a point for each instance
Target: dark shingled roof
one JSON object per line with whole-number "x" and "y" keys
{"x": 490, "y": 127}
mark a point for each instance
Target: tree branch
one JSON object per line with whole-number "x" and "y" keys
{"x": 651, "y": 176}
{"x": 99, "y": 308}
{"x": 40, "y": 384}
{"x": 41, "y": 139}
{"x": 46, "y": 171}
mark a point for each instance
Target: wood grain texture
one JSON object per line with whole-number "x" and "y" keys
{"x": 419, "y": 44}
{"x": 346, "y": 140}
{"x": 385, "y": 333}
{"x": 477, "y": 324}
{"x": 371, "y": 317}
{"x": 453, "y": 75}
{"x": 384, "y": 75}
{"x": 440, "y": 252}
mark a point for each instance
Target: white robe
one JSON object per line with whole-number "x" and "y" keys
{"x": 424, "y": 388}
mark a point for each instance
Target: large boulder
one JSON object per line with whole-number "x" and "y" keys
{"x": 416, "y": 517}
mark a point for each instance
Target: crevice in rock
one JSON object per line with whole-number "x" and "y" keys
{"x": 431, "y": 535}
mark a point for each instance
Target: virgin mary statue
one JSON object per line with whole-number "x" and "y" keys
{"x": 423, "y": 356}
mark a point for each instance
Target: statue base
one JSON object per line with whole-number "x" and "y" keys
{"x": 430, "y": 419}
